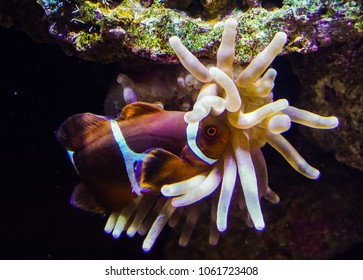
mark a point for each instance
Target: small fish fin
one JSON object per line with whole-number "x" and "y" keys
{"x": 82, "y": 199}
{"x": 139, "y": 108}
{"x": 161, "y": 167}
{"x": 73, "y": 132}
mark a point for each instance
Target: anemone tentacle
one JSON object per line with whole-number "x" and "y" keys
{"x": 228, "y": 182}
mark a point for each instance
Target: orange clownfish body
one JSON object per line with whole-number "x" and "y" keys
{"x": 137, "y": 153}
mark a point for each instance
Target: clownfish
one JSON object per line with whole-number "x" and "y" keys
{"x": 137, "y": 153}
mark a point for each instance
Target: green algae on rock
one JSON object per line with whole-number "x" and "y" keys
{"x": 110, "y": 31}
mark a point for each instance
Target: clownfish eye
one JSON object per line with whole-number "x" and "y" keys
{"x": 210, "y": 131}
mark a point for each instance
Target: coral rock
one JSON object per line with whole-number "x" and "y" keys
{"x": 120, "y": 31}
{"x": 335, "y": 86}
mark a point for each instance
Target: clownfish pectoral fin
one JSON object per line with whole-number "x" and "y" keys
{"x": 139, "y": 108}
{"x": 82, "y": 199}
{"x": 161, "y": 167}
{"x": 74, "y": 132}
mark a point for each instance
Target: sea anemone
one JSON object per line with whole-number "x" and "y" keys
{"x": 245, "y": 101}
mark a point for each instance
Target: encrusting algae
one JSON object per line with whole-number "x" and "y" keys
{"x": 122, "y": 31}
{"x": 243, "y": 101}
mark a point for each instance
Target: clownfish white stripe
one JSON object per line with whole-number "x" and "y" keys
{"x": 130, "y": 157}
{"x": 70, "y": 155}
{"x": 192, "y": 133}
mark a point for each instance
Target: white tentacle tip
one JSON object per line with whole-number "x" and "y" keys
{"x": 173, "y": 40}
{"x": 315, "y": 174}
{"x": 116, "y": 234}
{"x": 231, "y": 22}
{"x": 109, "y": 228}
{"x": 146, "y": 246}
{"x": 221, "y": 227}
{"x": 276, "y": 200}
{"x": 131, "y": 232}
{"x": 196, "y": 115}
{"x": 188, "y": 117}
{"x": 167, "y": 190}
{"x": 258, "y": 222}
{"x": 281, "y": 37}
{"x": 284, "y": 103}
{"x": 192, "y": 117}
{"x": 334, "y": 122}
{"x": 260, "y": 226}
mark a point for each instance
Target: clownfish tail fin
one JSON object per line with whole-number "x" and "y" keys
{"x": 82, "y": 199}
{"x": 74, "y": 132}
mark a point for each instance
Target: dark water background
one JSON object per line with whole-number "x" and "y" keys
{"x": 40, "y": 87}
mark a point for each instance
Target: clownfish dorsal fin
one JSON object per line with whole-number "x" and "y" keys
{"x": 82, "y": 199}
{"x": 139, "y": 108}
{"x": 74, "y": 132}
{"x": 161, "y": 167}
